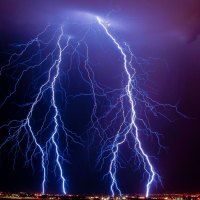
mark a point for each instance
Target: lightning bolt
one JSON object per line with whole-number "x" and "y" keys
{"x": 51, "y": 48}
{"x": 16, "y": 127}
{"x": 133, "y": 125}
{"x": 57, "y": 112}
{"x": 129, "y": 125}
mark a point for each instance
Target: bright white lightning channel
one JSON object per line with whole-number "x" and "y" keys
{"x": 66, "y": 48}
{"x": 138, "y": 146}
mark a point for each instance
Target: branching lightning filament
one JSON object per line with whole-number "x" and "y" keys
{"x": 119, "y": 115}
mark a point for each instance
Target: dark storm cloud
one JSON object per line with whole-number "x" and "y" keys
{"x": 22, "y": 12}
{"x": 174, "y": 18}
{"x": 193, "y": 23}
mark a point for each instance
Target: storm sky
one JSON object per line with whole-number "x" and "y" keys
{"x": 166, "y": 31}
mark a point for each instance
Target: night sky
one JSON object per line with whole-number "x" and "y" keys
{"x": 166, "y": 33}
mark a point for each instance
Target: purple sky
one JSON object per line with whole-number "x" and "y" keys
{"x": 167, "y": 30}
